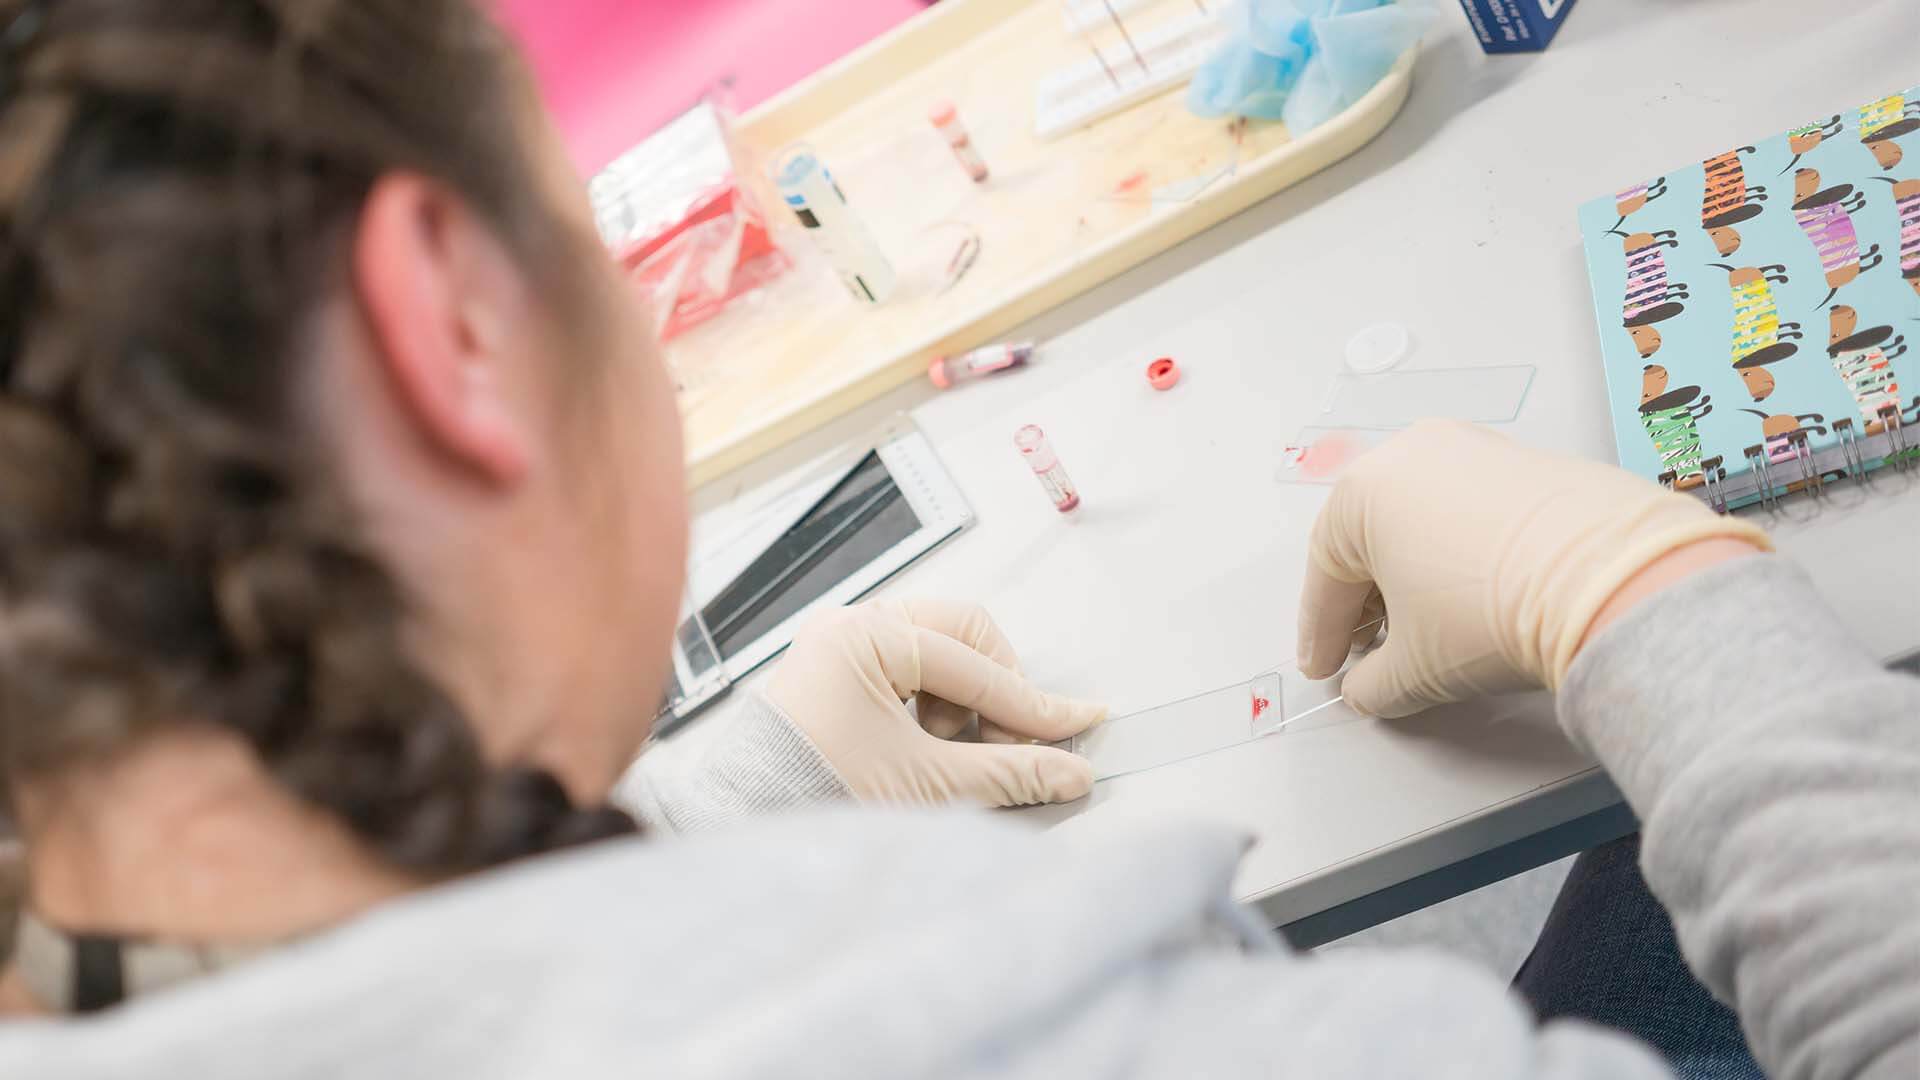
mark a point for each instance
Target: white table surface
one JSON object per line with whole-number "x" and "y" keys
{"x": 1179, "y": 573}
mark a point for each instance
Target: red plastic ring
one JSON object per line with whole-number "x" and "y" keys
{"x": 1163, "y": 373}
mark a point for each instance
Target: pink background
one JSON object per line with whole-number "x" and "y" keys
{"x": 614, "y": 70}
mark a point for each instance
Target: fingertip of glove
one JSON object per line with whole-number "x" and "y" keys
{"x": 1080, "y": 714}
{"x": 1064, "y": 777}
{"x": 1096, "y": 713}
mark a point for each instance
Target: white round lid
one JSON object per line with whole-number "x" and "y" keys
{"x": 1377, "y": 348}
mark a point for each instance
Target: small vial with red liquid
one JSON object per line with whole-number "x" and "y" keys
{"x": 945, "y": 371}
{"x": 1039, "y": 456}
{"x": 946, "y": 120}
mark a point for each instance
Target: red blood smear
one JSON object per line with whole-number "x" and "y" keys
{"x": 1327, "y": 457}
{"x": 1131, "y": 182}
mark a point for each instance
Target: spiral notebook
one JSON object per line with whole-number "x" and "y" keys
{"x": 1755, "y": 309}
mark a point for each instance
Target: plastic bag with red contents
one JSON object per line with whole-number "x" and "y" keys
{"x": 680, "y": 212}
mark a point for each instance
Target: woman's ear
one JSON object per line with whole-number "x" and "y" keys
{"x": 437, "y": 295}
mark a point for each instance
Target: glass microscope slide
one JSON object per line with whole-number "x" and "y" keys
{"x": 1280, "y": 701}
{"x": 1397, "y": 399}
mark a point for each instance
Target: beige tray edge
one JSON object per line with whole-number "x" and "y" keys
{"x": 1275, "y": 172}
{"x": 868, "y": 70}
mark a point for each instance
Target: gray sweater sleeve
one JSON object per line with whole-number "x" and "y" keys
{"x": 1775, "y": 767}
{"x": 757, "y": 763}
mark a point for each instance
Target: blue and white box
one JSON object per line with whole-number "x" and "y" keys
{"x": 1515, "y": 25}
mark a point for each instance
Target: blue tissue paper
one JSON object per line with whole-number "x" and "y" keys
{"x": 1303, "y": 61}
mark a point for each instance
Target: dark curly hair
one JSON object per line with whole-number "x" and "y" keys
{"x": 179, "y": 180}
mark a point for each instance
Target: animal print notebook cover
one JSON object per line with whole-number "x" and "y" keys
{"x": 1766, "y": 291}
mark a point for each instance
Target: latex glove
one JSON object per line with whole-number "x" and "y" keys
{"x": 1492, "y": 558}
{"x": 846, "y": 678}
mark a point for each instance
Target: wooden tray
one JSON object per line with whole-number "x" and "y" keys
{"x": 1055, "y": 219}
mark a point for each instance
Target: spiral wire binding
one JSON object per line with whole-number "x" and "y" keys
{"x": 1902, "y": 455}
{"x": 1715, "y": 476}
{"x": 1757, "y": 459}
{"x": 1809, "y": 475}
{"x": 1896, "y": 437}
{"x": 1850, "y": 449}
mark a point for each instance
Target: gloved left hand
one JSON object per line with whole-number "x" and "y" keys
{"x": 847, "y": 677}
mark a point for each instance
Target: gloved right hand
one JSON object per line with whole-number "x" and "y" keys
{"x": 846, "y": 680}
{"x": 1493, "y": 559}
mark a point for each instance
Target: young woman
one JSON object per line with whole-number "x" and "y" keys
{"x": 341, "y": 527}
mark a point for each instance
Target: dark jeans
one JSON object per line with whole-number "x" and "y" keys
{"x": 1608, "y": 955}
